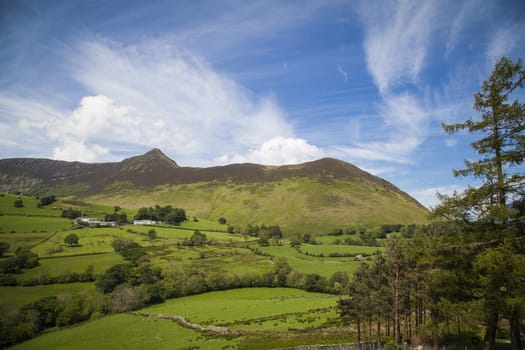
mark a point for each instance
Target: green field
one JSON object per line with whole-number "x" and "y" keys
{"x": 327, "y": 249}
{"x": 308, "y": 264}
{"x": 23, "y": 295}
{"x": 259, "y": 318}
{"x": 256, "y": 318}
{"x": 297, "y": 205}
{"x": 126, "y": 332}
{"x": 246, "y": 309}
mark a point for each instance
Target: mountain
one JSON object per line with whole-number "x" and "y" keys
{"x": 318, "y": 195}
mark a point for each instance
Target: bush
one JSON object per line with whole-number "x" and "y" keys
{"x": 47, "y": 200}
{"x": 19, "y": 203}
{"x": 71, "y": 213}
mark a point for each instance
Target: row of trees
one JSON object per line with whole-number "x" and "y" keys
{"x": 167, "y": 214}
{"x": 469, "y": 267}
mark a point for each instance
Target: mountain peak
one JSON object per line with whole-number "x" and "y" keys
{"x": 155, "y": 155}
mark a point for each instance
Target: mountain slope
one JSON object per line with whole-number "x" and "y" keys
{"x": 318, "y": 195}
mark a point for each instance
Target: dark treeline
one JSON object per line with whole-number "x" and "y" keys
{"x": 166, "y": 214}
{"x": 468, "y": 269}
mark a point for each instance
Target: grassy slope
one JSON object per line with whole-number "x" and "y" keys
{"x": 124, "y": 332}
{"x": 262, "y": 312}
{"x": 23, "y": 295}
{"x": 301, "y": 205}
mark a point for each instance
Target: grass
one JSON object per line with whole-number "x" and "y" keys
{"x": 297, "y": 205}
{"x": 15, "y": 224}
{"x": 327, "y": 249}
{"x": 24, "y": 295}
{"x": 126, "y": 332}
{"x": 269, "y": 317}
{"x": 78, "y": 264}
{"x": 240, "y": 307}
{"x": 308, "y": 264}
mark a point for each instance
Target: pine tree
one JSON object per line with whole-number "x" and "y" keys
{"x": 487, "y": 210}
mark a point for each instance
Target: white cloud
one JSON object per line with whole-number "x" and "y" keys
{"x": 158, "y": 95}
{"x": 397, "y": 36}
{"x": 428, "y": 196}
{"x": 278, "y": 151}
{"x": 404, "y": 128}
{"x": 504, "y": 41}
{"x": 343, "y": 73}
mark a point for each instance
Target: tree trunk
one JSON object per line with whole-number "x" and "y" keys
{"x": 490, "y": 334}
{"x": 358, "y": 334}
{"x": 378, "y": 333}
{"x": 515, "y": 334}
{"x": 397, "y": 327}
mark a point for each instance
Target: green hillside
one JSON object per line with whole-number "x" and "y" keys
{"x": 297, "y": 205}
{"x": 313, "y": 197}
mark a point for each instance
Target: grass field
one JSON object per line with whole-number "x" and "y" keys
{"x": 260, "y": 317}
{"x": 127, "y": 332}
{"x": 327, "y": 249}
{"x": 308, "y": 264}
{"x": 58, "y": 266}
{"x": 244, "y": 308}
{"x": 266, "y": 318}
{"x": 297, "y": 205}
{"x": 15, "y": 223}
{"x": 23, "y": 295}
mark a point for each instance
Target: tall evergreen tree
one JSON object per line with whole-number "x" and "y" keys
{"x": 487, "y": 210}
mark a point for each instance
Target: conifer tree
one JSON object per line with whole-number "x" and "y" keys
{"x": 487, "y": 211}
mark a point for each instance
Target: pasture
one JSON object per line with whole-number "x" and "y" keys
{"x": 324, "y": 266}
{"x": 261, "y": 318}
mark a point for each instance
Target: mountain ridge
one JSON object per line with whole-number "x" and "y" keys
{"x": 339, "y": 189}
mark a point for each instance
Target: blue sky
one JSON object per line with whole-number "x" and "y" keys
{"x": 271, "y": 82}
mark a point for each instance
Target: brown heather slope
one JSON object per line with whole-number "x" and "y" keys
{"x": 327, "y": 186}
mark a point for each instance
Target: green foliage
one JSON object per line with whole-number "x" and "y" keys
{"x": 71, "y": 239}
{"x": 71, "y": 213}
{"x": 4, "y": 248}
{"x": 197, "y": 239}
{"x": 19, "y": 203}
{"x": 488, "y": 213}
{"x": 222, "y": 221}
{"x": 167, "y": 214}
{"x": 152, "y": 234}
{"x": 23, "y": 259}
{"x": 113, "y": 277}
{"x": 47, "y": 200}
{"x": 119, "y": 218}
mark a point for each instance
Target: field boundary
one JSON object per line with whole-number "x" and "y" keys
{"x": 187, "y": 324}
{"x": 72, "y": 255}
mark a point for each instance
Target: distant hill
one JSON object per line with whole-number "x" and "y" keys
{"x": 319, "y": 195}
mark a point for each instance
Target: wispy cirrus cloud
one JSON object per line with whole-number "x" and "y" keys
{"x": 397, "y": 36}
{"x": 155, "y": 94}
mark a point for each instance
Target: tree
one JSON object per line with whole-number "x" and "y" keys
{"x": 71, "y": 213}
{"x": 19, "y": 203}
{"x": 71, "y": 239}
{"x": 115, "y": 275}
{"x": 502, "y": 149}
{"x": 222, "y": 221}
{"x": 47, "y": 200}
{"x": 152, "y": 234}
{"x": 197, "y": 239}
{"x": 4, "y": 247}
{"x": 487, "y": 210}
{"x": 176, "y": 216}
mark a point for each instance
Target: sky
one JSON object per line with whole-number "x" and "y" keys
{"x": 270, "y": 82}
